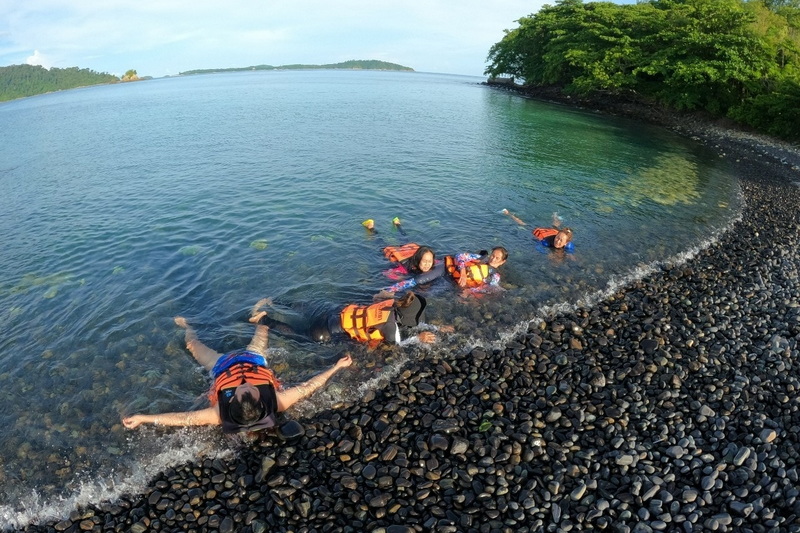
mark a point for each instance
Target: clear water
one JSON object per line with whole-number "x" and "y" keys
{"x": 123, "y": 206}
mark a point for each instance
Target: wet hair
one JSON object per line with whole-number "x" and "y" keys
{"x": 410, "y": 309}
{"x": 405, "y": 301}
{"x": 247, "y": 410}
{"x": 320, "y": 332}
{"x": 567, "y": 232}
{"x": 416, "y": 259}
{"x": 502, "y": 251}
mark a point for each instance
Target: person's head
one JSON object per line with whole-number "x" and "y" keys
{"x": 562, "y": 238}
{"x": 320, "y": 332}
{"x": 423, "y": 259}
{"x": 497, "y": 257}
{"x": 410, "y": 309}
{"x": 246, "y": 407}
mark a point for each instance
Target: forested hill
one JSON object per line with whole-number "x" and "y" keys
{"x": 734, "y": 58}
{"x": 353, "y": 64}
{"x": 17, "y": 81}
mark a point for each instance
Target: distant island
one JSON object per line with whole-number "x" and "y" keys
{"x": 353, "y": 64}
{"x": 19, "y": 81}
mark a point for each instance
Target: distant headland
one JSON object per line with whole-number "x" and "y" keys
{"x": 353, "y": 64}
{"x": 19, "y": 81}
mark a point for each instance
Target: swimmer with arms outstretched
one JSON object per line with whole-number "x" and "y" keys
{"x": 245, "y": 395}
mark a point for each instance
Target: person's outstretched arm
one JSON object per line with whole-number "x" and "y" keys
{"x": 204, "y": 417}
{"x": 514, "y": 217}
{"x": 289, "y": 397}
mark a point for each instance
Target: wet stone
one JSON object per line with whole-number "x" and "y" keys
{"x": 741, "y": 456}
{"x": 768, "y": 435}
{"x": 227, "y": 525}
{"x": 459, "y": 446}
{"x": 426, "y": 388}
{"x": 675, "y": 451}
{"x": 553, "y": 415}
{"x": 399, "y": 529}
{"x": 369, "y": 472}
{"x": 707, "y": 411}
{"x": 380, "y": 500}
{"x": 649, "y": 346}
{"x": 438, "y": 442}
{"x": 624, "y": 460}
{"x": 447, "y": 425}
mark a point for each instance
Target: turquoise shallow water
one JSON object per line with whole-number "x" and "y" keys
{"x": 123, "y": 206}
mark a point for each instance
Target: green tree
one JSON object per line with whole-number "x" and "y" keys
{"x": 723, "y": 56}
{"x": 17, "y": 81}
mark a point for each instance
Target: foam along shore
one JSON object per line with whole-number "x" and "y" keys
{"x": 670, "y": 405}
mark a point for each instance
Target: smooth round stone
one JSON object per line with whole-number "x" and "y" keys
{"x": 768, "y": 435}
{"x": 741, "y": 456}
{"x": 459, "y": 446}
{"x": 624, "y": 460}
{"x": 675, "y": 451}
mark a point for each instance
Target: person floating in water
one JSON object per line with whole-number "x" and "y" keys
{"x": 383, "y": 321}
{"x": 418, "y": 262}
{"x": 477, "y": 271}
{"x": 554, "y": 237}
{"x": 245, "y": 395}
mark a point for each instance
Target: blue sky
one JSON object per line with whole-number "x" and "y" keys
{"x": 165, "y": 37}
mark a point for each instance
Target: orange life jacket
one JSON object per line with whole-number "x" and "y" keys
{"x": 239, "y": 373}
{"x": 477, "y": 271}
{"x": 398, "y": 254}
{"x": 543, "y": 233}
{"x": 361, "y": 322}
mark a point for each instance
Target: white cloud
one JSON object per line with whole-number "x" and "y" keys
{"x": 39, "y": 59}
{"x": 161, "y": 36}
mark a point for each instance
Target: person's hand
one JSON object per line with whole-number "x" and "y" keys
{"x": 446, "y": 329}
{"x": 462, "y": 278}
{"x": 427, "y": 337}
{"x": 383, "y": 295}
{"x": 344, "y": 362}
{"x": 133, "y": 421}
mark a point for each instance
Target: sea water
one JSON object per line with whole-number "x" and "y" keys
{"x": 123, "y": 206}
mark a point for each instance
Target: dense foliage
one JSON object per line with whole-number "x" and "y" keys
{"x": 353, "y": 64}
{"x": 17, "y": 81}
{"x": 735, "y": 58}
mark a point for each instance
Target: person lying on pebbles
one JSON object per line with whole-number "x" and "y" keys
{"x": 245, "y": 395}
{"x": 387, "y": 321}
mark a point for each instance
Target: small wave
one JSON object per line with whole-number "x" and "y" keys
{"x": 178, "y": 447}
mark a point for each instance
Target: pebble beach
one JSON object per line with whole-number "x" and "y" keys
{"x": 671, "y": 404}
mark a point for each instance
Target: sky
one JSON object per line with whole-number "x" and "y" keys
{"x": 165, "y": 37}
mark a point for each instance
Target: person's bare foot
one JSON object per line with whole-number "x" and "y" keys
{"x": 257, "y": 316}
{"x": 181, "y": 322}
{"x": 258, "y": 305}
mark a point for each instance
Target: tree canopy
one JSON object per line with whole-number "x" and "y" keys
{"x": 735, "y": 58}
{"x": 17, "y": 81}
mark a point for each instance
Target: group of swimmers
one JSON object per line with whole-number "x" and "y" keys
{"x": 247, "y": 396}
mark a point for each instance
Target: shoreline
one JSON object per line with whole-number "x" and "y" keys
{"x": 669, "y": 405}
